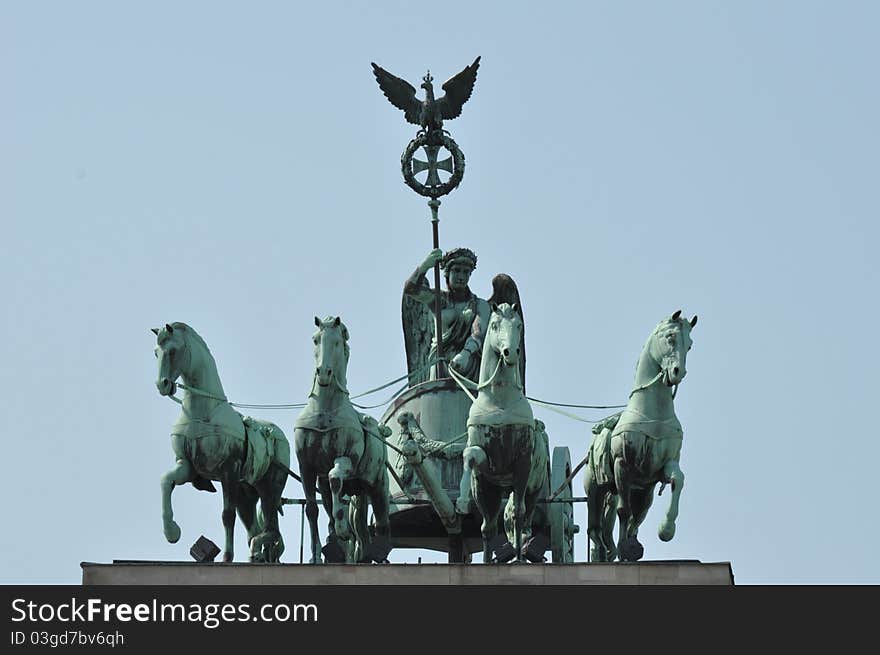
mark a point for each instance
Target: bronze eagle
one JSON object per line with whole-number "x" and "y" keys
{"x": 430, "y": 112}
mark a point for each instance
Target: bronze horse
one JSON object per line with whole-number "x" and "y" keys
{"x": 341, "y": 452}
{"x": 212, "y": 441}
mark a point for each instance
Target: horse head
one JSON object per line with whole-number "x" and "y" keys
{"x": 504, "y": 335}
{"x": 173, "y": 353}
{"x": 331, "y": 352}
{"x": 669, "y": 346}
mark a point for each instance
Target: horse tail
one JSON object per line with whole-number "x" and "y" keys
{"x": 290, "y": 473}
{"x": 259, "y": 521}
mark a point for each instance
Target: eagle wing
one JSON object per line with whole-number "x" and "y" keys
{"x": 458, "y": 89}
{"x": 399, "y": 92}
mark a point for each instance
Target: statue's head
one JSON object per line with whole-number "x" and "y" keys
{"x": 458, "y": 264}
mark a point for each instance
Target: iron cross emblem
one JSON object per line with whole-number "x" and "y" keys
{"x": 432, "y": 166}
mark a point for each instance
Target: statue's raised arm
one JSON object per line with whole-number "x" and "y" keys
{"x": 463, "y": 317}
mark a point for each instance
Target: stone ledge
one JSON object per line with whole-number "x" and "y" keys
{"x": 670, "y": 572}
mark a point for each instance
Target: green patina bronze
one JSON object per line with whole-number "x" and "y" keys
{"x": 430, "y": 112}
{"x": 463, "y": 316}
{"x": 212, "y": 441}
{"x": 502, "y": 452}
{"x": 341, "y": 453}
{"x": 633, "y": 451}
{"x": 463, "y": 440}
{"x": 539, "y": 478}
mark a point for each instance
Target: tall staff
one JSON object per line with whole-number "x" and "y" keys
{"x": 434, "y": 204}
{"x": 430, "y": 114}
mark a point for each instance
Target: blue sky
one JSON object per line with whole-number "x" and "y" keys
{"x": 235, "y": 167}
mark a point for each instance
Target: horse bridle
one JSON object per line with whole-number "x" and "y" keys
{"x": 653, "y": 381}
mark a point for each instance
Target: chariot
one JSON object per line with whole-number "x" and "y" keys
{"x": 430, "y": 508}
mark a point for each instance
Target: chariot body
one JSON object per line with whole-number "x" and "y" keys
{"x": 431, "y": 507}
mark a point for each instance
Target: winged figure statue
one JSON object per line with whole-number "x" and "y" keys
{"x": 430, "y": 112}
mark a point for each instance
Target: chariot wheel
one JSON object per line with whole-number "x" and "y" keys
{"x": 561, "y": 514}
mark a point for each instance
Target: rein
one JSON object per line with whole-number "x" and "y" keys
{"x": 651, "y": 383}
{"x": 464, "y": 383}
{"x": 336, "y": 382}
{"x": 201, "y": 392}
{"x": 487, "y": 383}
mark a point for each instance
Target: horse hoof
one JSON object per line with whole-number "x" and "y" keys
{"x": 266, "y": 547}
{"x": 227, "y": 556}
{"x": 172, "y": 532}
{"x": 334, "y": 553}
{"x": 666, "y": 531}
{"x": 631, "y": 550}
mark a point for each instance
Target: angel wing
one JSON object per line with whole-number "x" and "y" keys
{"x": 504, "y": 290}
{"x": 418, "y": 331}
{"x": 458, "y": 89}
{"x": 400, "y": 93}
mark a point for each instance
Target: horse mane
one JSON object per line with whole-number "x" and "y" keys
{"x": 664, "y": 325}
{"x": 190, "y": 333}
{"x": 668, "y": 322}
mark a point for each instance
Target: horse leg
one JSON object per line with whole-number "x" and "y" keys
{"x": 269, "y": 545}
{"x": 627, "y": 545}
{"x": 531, "y": 501}
{"x": 309, "y": 482}
{"x": 609, "y": 516}
{"x": 247, "y": 512}
{"x": 327, "y": 502}
{"x": 251, "y": 518}
{"x": 487, "y": 497}
{"x": 277, "y": 484}
{"x": 342, "y": 470}
{"x": 180, "y": 474}
{"x": 381, "y": 511}
{"x": 463, "y": 502}
{"x": 230, "y": 496}
{"x": 357, "y": 517}
{"x": 675, "y": 477}
{"x": 595, "y": 502}
{"x": 641, "y": 500}
{"x": 475, "y": 460}
{"x": 521, "y": 479}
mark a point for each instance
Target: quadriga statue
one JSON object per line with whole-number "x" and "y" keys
{"x": 212, "y": 441}
{"x": 632, "y": 452}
